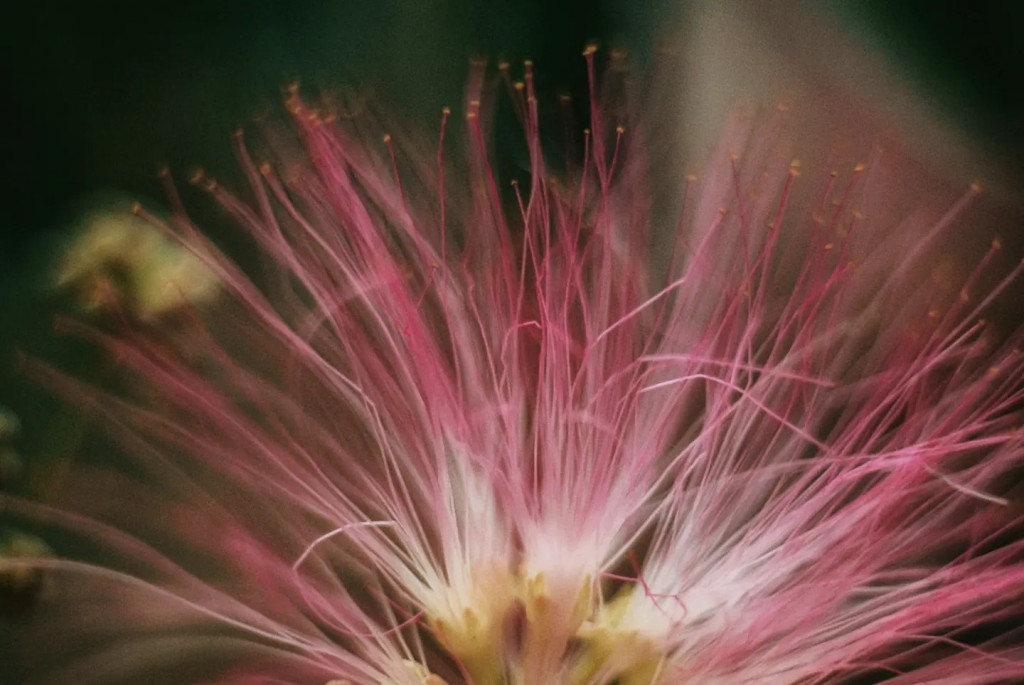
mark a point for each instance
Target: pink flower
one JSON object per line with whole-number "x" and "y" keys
{"x": 461, "y": 433}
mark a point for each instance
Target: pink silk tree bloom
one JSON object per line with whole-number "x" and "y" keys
{"x": 461, "y": 432}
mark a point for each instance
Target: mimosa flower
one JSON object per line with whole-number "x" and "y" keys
{"x": 465, "y": 432}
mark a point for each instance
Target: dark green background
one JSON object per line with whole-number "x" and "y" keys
{"x": 99, "y": 94}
